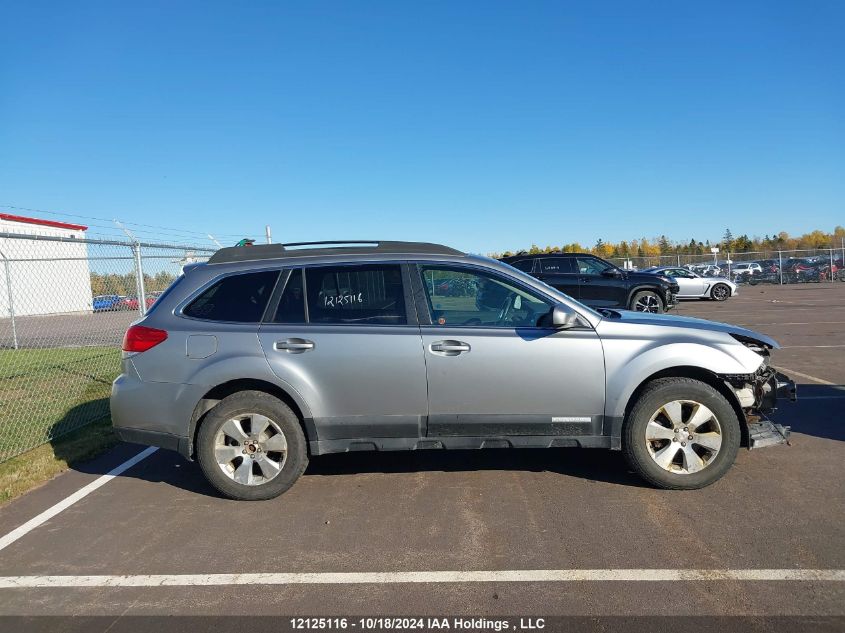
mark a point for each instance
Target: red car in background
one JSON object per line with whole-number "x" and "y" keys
{"x": 131, "y": 303}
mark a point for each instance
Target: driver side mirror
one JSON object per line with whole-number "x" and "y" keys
{"x": 563, "y": 318}
{"x": 611, "y": 272}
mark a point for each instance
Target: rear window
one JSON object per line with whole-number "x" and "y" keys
{"x": 239, "y": 298}
{"x": 366, "y": 295}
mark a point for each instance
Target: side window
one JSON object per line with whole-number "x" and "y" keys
{"x": 591, "y": 266}
{"x": 459, "y": 297}
{"x": 367, "y": 294}
{"x": 291, "y": 307}
{"x": 525, "y": 265}
{"x": 556, "y": 265}
{"x": 240, "y": 298}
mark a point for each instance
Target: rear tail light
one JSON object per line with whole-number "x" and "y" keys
{"x": 140, "y": 338}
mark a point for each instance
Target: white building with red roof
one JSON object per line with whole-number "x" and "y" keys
{"x": 43, "y": 275}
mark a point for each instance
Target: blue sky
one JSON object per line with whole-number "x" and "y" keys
{"x": 485, "y": 125}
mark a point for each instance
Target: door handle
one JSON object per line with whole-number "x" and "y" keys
{"x": 294, "y": 345}
{"x": 449, "y": 348}
{"x": 584, "y": 280}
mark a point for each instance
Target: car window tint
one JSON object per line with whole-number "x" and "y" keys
{"x": 556, "y": 265}
{"x": 525, "y": 265}
{"x": 291, "y": 307}
{"x": 367, "y": 294}
{"x": 240, "y": 298}
{"x": 458, "y": 297}
{"x": 590, "y": 266}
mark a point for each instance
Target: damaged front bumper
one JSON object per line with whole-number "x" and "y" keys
{"x": 767, "y": 433}
{"x": 758, "y": 395}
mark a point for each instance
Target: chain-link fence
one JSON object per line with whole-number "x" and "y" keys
{"x": 65, "y": 304}
{"x": 776, "y": 267}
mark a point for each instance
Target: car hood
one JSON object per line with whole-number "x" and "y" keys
{"x": 668, "y": 320}
{"x": 718, "y": 280}
{"x": 650, "y": 277}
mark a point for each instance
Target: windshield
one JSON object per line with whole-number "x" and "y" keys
{"x": 676, "y": 272}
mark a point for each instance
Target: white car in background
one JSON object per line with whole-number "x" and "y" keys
{"x": 694, "y": 286}
{"x": 746, "y": 268}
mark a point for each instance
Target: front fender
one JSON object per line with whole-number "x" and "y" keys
{"x": 627, "y": 368}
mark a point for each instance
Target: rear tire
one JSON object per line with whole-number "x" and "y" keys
{"x": 251, "y": 446}
{"x": 647, "y": 301}
{"x": 681, "y": 434}
{"x": 720, "y": 292}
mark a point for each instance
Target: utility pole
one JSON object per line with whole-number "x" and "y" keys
{"x": 269, "y": 236}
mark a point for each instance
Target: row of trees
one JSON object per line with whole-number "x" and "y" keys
{"x": 662, "y": 245}
{"x": 114, "y": 284}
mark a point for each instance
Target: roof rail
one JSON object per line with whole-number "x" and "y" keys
{"x": 233, "y": 254}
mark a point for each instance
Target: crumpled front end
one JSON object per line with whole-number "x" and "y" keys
{"x": 758, "y": 394}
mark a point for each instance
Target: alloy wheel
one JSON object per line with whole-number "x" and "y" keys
{"x": 683, "y": 436}
{"x": 647, "y": 303}
{"x": 250, "y": 449}
{"x": 720, "y": 292}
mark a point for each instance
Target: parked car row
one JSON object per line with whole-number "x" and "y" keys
{"x": 795, "y": 270}
{"x": 114, "y": 303}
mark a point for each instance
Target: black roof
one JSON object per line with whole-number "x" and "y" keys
{"x": 316, "y": 249}
{"x": 555, "y": 254}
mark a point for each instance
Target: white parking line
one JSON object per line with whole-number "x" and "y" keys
{"x": 744, "y": 323}
{"x": 65, "y": 503}
{"x": 810, "y": 346}
{"x": 791, "y": 372}
{"x": 393, "y": 577}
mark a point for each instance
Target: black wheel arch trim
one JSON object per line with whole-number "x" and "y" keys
{"x": 614, "y": 424}
{"x": 215, "y": 394}
{"x": 660, "y": 291}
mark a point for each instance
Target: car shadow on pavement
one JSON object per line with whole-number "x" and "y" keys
{"x": 596, "y": 465}
{"x": 818, "y": 412}
{"x": 590, "y": 464}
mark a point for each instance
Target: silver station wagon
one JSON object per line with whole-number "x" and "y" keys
{"x": 268, "y": 355}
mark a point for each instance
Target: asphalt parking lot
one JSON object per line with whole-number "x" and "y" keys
{"x": 77, "y": 329}
{"x": 591, "y": 532}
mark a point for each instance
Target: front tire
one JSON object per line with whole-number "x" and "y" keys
{"x": 251, "y": 446}
{"x": 647, "y": 301}
{"x": 720, "y": 292}
{"x": 681, "y": 434}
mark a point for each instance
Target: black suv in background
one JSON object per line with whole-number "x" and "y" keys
{"x": 597, "y": 283}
